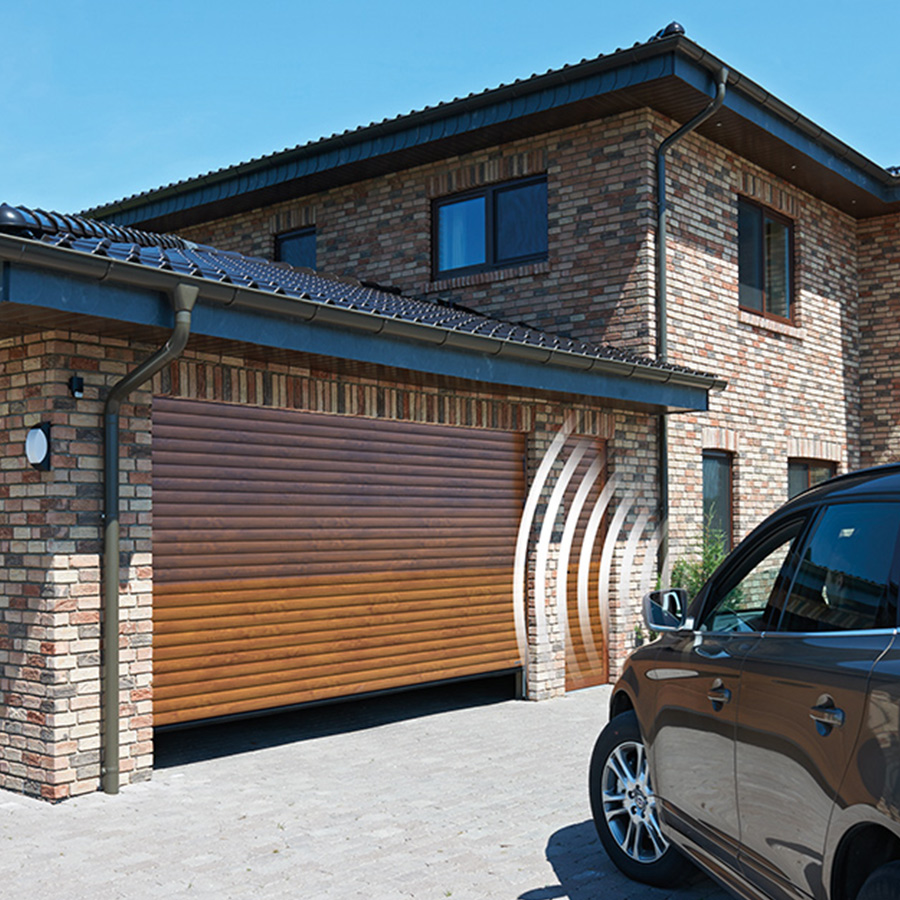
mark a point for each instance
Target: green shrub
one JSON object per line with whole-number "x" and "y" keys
{"x": 692, "y": 571}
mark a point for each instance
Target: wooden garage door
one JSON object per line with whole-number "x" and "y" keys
{"x": 299, "y": 557}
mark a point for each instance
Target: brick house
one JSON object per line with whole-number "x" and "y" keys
{"x": 279, "y": 488}
{"x": 781, "y": 262}
{"x": 534, "y": 207}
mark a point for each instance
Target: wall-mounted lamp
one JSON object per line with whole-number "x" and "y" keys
{"x": 37, "y": 446}
{"x": 76, "y": 386}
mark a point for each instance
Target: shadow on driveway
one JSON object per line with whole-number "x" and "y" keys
{"x": 585, "y": 873}
{"x": 181, "y": 745}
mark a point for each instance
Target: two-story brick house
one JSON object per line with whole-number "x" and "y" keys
{"x": 538, "y": 202}
{"x": 493, "y": 224}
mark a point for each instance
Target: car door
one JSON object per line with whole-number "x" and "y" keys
{"x": 803, "y": 693}
{"x": 696, "y": 678}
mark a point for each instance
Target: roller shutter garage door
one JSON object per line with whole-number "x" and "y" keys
{"x": 300, "y": 557}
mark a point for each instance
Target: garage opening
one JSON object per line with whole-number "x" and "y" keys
{"x": 301, "y": 557}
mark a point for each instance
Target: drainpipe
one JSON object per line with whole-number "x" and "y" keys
{"x": 662, "y": 342}
{"x": 183, "y": 298}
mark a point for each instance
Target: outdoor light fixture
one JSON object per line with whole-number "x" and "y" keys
{"x": 37, "y": 446}
{"x": 76, "y": 386}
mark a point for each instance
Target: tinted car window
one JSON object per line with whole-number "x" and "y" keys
{"x": 842, "y": 581}
{"x": 749, "y": 595}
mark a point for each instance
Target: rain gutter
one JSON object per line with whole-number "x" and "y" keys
{"x": 662, "y": 323}
{"x": 183, "y": 297}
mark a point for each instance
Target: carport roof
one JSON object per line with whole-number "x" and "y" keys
{"x": 241, "y": 295}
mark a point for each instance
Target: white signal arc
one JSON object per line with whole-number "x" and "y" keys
{"x": 584, "y": 567}
{"x": 637, "y": 532}
{"x": 546, "y": 535}
{"x": 609, "y": 546}
{"x": 565, "y": 551}
{"x": 522, "y": 539}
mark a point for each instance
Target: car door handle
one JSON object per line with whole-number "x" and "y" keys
{"x": 718, "y": 696}
{"x": 827, "y": 715}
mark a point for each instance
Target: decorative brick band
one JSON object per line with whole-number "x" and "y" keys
{"x": 769, "y": 193}
{"x": 720, "y": 439}
{"x": 501, "y": 168}
{"x": 813, "y": 448}
{"x": 449, "y": 284}
{"x": 325, "y": 392}
{"x": 289, "y": 218}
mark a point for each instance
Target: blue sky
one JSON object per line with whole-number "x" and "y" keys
{"x": 103, "y": 99}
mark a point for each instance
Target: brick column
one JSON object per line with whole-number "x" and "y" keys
{"x": 50, "y": 649}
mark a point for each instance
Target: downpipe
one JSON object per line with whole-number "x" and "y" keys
{"x": 183, "y": 298}
{"x": 662, "y": 325}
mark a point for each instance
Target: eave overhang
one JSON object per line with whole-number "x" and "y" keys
{"x": 45, "y": 287}
{"x": 673, "y": 76}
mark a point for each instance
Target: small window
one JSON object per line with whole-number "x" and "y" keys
{"x": 805, "y": 473}
{"x": 297, "y": 247}
{"x": 842, "y": 581}
{"x": 765, "y": 261}
{"x": 717, "y": 497}
{"x": 496, "y": 226}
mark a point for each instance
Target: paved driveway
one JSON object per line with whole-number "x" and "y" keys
{"x": 401, "y": 797}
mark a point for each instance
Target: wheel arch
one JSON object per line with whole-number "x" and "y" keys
{"x": 619, "y": 703}
{"x": 860, "y": 852}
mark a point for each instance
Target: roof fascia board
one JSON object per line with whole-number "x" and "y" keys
{"x": 789, "y": 126}
{"x": 267, "y": 320}
{"x": 676, "y": 56}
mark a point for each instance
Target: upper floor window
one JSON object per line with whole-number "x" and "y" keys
{"x": 804, "y": 473}
{"x": 765, "y": 260}
{"x": 490, "y": 228}
{"x": 297, "y": 247}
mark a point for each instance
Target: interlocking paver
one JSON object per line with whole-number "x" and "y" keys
{"x": 387, "y": 799}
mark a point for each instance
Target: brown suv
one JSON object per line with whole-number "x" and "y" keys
{"x": 759, "y": 735}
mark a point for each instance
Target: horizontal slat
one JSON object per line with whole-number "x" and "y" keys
{"x": 180, "y": 713}
{"x": 177, "y": 655}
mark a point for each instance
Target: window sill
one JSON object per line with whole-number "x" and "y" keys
{"x": 476, "y": 278}
{"x": 766, "y": 324}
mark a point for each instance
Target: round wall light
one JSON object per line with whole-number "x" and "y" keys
{"x": 37, "y": 446}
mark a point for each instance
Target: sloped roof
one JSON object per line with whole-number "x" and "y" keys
{"x": 669, "y": 73}
{"x": 169, "y": 253}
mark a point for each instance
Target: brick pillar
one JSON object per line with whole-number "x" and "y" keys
{"x": 50, "y": 542}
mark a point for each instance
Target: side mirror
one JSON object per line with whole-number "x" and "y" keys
{"x": 665, "y": 610}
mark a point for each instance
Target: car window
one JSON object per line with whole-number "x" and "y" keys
{"x": 748, "y": 595}
{"x": 842, "y": 580}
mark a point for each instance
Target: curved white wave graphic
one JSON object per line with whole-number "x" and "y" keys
{"x": 565, "y": 550}
{"x": 637, "y": 539}
{"x": 521, "y": 557}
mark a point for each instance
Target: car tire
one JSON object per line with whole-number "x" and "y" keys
{"x": 882, "y": 884}
{"x": 624, "y": 808}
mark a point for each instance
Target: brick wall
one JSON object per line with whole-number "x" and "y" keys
{"x": 790, "y": 387}
{"x": 879, "y": 296}
{"x": 600, "y": 199}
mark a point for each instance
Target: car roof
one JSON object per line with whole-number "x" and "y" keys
{"x": 874, "y": 482}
